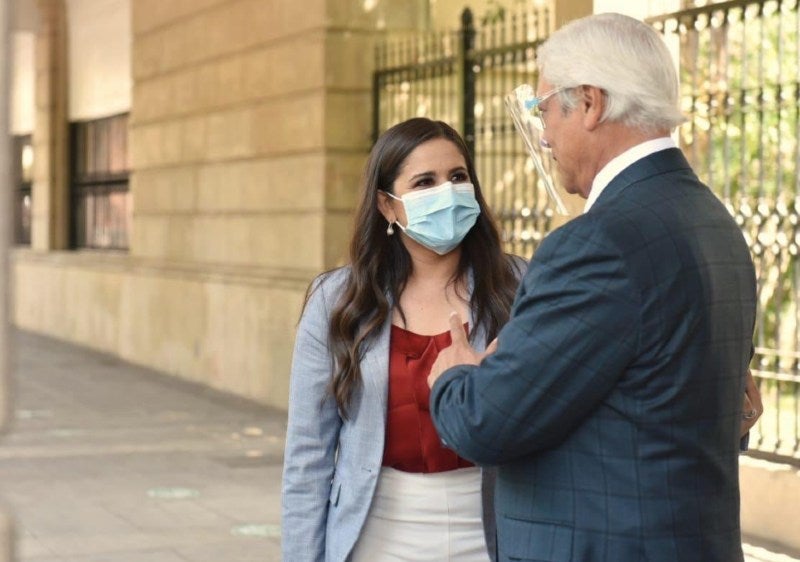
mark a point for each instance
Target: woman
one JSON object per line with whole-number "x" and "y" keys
{"x": 365, "y": 475}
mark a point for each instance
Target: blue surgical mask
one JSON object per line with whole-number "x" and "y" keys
{"x": 440, "y": 217}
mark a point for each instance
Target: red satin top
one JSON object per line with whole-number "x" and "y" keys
{"x": 412, "y": 444}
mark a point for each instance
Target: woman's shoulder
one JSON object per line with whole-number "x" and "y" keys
{"x": 332, "y": 279}
{"x": 327, "y": 287}
{"x": 518, "y": 264}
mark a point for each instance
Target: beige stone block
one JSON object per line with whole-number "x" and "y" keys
{"x": 92, "y": 309}
{"x": 230, "y": 134}
{"x": 219, "y": 186}
{"x": 43, "y": 86}
{"x": 187, "y": 42}
{"x": 143, "y": 145}
{"x": 292, "y": 182}
{"x": 42, "y": 51}
{"x": 165, "y": 190}
{"x": 203, "y": 96}
{"x": 291, "y": 124}
{"x": 208, "y": 34}
{"x": 186, "y": 91}
{"x": 288, "y": 240}
{"x": 152, "y": 99}
{"x": 294, "y": 65}
{"x": 181, "y": 237}
{"x": 75, "y": 304}
{"x": 194, "y": 138}
{"x": 43, "y": 161}
{"x": 40, "y": 231}
{"x": 147, "y": 54}
{"x": 285, "y": 240}
{"x": 42, "y": 131}
{"x": 241, "y": 318}
{"x": 156, "y": 144}
{"x": 170, "y": 147}
{"x": 343, "y": 177}
{"x": 339, "y": 227}
{"x": 150, "y": 236}
{"x": 350, "y": 59}
{"x": 347, "y": 120}
{"x": 377, "y": 15}
{"x": 221, "y": 239}
{"x": 224, "y": 82}
{"x": 268, "y": 20}
{"x": 149, "y": 14}
{"x": 167, "y": 317}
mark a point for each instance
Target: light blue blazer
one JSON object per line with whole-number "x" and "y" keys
{"x": 331, "y": 465}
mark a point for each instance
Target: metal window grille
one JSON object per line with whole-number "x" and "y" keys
{"x": 101, "y": 201}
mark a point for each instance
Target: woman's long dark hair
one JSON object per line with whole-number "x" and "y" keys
{"x": 381, "y": 265}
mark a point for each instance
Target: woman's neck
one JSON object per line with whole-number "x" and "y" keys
{"x": 431, "y": 268}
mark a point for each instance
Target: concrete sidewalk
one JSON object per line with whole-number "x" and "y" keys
{"x": 108, "y": 462}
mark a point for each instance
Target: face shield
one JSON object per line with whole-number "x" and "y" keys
{"x": 522, "y": 104}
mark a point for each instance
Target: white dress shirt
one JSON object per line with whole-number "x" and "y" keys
{"x": 616, "y": 165}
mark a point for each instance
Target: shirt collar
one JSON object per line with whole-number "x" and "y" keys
{"x": 619, "y": 163}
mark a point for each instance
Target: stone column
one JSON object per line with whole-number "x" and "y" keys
{"x": 50, "y": 229}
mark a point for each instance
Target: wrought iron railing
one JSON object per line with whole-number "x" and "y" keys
{"x": 740, "y": 73}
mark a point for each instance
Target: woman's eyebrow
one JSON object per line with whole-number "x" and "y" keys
{"x": 421, "y": 174}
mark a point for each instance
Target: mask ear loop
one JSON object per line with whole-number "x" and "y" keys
{"x": 390, "y": 228}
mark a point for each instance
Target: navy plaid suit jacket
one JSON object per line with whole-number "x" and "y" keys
{"x": 613, "y": 403}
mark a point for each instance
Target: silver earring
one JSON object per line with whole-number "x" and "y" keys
{"x": 390, "y": 230}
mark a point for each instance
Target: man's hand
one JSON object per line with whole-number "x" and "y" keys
{"x": 753, "y": 408}
{"x": 460, "y": 351}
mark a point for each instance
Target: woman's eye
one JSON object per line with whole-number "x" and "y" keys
{"x": 423, "y": 182}
{"x": 460, "y": 177}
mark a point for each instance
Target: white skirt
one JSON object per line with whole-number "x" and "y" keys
{"x": 424, "y": 517}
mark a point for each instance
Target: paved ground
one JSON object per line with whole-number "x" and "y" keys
{"x": 108, "y": 462}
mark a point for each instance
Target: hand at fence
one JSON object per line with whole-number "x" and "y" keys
{"x": 753, "y": 408}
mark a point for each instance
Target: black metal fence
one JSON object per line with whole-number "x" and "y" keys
{"x": 740, "y": 74}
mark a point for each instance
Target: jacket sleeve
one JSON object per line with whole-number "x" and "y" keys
{"x": 573, "y": 329}
{"x": 311, "y": 437}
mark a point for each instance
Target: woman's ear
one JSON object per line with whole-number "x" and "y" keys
{"x": 384, "y": 203}
{"x": 593, "y": 105}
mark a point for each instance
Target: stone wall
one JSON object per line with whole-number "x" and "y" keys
{"x": 249, "y": 128}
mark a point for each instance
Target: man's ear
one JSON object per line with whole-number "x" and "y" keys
{"x": 593, "y": 104}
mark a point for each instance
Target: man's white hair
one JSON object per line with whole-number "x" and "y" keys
{"x": 622, "y": 56}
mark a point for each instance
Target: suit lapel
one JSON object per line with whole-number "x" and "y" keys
{"x": 655, "y": 164}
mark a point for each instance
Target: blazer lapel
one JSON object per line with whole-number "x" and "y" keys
{"x": 375, "y": 364}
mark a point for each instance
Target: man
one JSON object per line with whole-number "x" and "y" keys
{"x": 613, "y": 402}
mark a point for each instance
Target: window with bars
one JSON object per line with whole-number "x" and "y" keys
{"x": 101, "y": 201}
{"x": 22, "y": 168}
